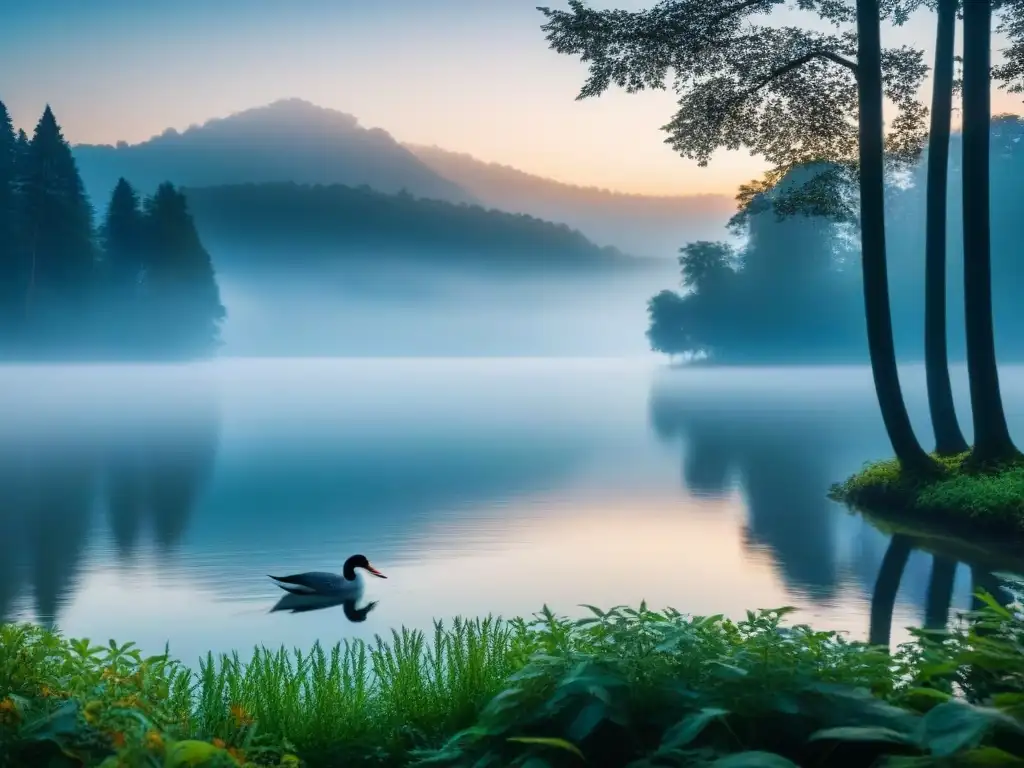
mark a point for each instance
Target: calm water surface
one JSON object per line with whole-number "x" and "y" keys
{"x": 149, "y": 503}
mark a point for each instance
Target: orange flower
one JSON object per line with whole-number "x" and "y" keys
{"x": 153, "y": 741}
{"x": 45, "y": 691}
{"x": 238, "y": 754}
{"x": 218, "y": 743}
{"x": 117, "y": 738}
{"x": 240, "y": 716}
{"x": 9, "y": 711}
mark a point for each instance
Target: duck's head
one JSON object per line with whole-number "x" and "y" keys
{"x": 359, "y": 561}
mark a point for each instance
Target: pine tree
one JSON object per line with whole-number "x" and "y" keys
{"x": 9, "y": 247}
{"x": 181, "y": 296}
{"x": 122, "y": 239}
{"x": 21, "y": 151}
{"x": 59, "y": 237}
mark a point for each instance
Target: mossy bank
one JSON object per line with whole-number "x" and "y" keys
{"x": 964, "y": 495}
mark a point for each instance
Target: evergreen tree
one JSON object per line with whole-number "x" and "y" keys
{"x": 58, "y": 238}
{"x": 122, "y": 239}
{"x": 180, "y": 289}
{"x": 22, "y": 146}
{"x": 9, "y": 250}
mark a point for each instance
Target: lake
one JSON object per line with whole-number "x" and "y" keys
{"x": 149, "y": 502}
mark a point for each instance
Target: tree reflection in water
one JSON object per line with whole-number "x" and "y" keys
{"x": 146, "y": 463}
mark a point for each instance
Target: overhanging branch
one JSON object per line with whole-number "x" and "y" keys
{"x": 789, "y": 66}
{"x": 799, "y": 62}
{"x": 723, "y": 15}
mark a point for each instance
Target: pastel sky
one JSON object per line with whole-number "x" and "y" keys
{"x": 468, "y": 75}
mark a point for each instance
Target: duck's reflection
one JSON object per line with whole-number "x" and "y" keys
{"x": 301, "y": 603}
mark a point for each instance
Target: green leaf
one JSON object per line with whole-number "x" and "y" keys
{"x": 994, "y": 605}
{"x": 868, "y": 734}
{"x": 727, "y": 670}
{"x": 587, "y": 720}
{"x": 927, "y": 693}
{"x": 956, "y": 727}
{"x": 544, "y": 741}
{"x": 62, "y": 721}
{"x": 690, "y": 727}
{"x": 754, "y": 760}
{"x": 988, "y": 756}
{"x": 1011, "y": 703}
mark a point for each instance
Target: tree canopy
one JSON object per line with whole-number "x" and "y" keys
{"x": 786, "y": 93}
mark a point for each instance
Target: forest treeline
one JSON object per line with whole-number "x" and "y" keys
{"x": 138, "y": 284}
{"x": 264, "y": 221}
{"x": 792, "y": 290}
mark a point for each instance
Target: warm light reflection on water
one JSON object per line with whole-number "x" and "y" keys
{"x": 150, "y": 504}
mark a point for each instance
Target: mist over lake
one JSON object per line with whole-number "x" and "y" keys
{"x": 151, "y": 501}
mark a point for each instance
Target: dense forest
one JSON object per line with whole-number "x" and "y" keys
{"x": 140, "y": 285}
{"x": 791, "y": 292}
{"x": 265, "y": 221}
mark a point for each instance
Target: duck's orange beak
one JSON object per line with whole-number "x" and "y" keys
{"x": 375, "y": 572}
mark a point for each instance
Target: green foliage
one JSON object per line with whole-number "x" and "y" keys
{"x": 786, "y": 93}
{"x": 964, "y": 493}
{"x": 620, "y": 687}
{"x": 357, "y": 703}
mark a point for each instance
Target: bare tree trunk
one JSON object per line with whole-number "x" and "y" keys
{"x": 949, "y": 439}
{"x": 873, "y": 257}
{"x": 992, "y": 440}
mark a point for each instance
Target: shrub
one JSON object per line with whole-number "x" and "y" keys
{"x": 622, "y": 687}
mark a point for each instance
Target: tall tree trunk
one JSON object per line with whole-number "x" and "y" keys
{"x": 991, "y": 436}
{"x": 949, "y": 439}
{"x": 873, "y": 258}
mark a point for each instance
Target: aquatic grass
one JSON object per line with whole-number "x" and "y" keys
{"x": 964, "y": 494}
{"x": 623, "y": 686}
{"x": 356, "y": 703}
{"x": 384, "y": 698}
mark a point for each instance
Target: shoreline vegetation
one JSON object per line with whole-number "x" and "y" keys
{"x": 623, "y": 687}
{"x": 964, "y": 497}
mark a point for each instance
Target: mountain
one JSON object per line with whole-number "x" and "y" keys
{"x": 263, "y": 225}
{"x": 648, "y": 225}
{"x": 290, "y": 140}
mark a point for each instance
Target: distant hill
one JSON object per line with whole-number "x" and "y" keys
{"x": 287, "y": 141}
{"x": 646, "y": 225}
{"x": 293, "y": 224}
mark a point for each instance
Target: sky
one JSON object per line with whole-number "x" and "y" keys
{"x": 472, "y": 76}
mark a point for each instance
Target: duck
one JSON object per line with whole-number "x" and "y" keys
{"x": 348, "y": 582}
